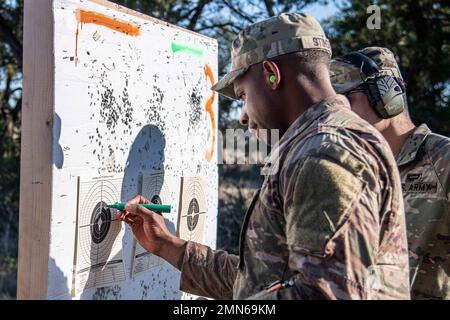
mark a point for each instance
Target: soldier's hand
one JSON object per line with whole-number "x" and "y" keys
{"x": 150, "y": 230}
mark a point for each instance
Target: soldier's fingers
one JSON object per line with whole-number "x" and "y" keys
{"x": 127, "y": 216}
{"x": 130, "y": 220}
{"x": 139, "y": 210}
{"x": 120, "y": 215}
{"x": 138, "y": 199}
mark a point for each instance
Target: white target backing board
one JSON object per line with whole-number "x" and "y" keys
{"x": 114, "y": 92}
{"x": 192, "y": 211}
{"x": 98, "y": 252}
{"x": 160, "y": 188}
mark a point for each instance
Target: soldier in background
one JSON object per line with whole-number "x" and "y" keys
{"x": 328, "y": 221}
{"x": 371, "y": 80}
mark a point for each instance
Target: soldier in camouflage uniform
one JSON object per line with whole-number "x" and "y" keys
{"x": 423, "y": 158}
{"x": 328, "y": 221}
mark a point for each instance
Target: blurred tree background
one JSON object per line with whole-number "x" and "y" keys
{"x": 418, "y": 32}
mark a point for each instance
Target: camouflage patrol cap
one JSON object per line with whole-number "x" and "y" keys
{"x": 276, "y": 36}
{"x": 345, "y": 76}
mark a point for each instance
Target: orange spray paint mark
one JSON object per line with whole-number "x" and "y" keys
{"x": 84, "y": 16}
{"x": 209, "y": 109}
{"x": 76, "y": 44}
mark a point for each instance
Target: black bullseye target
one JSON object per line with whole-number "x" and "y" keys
{"x": 193, "y": 214}
{"x": 100, "y": 222}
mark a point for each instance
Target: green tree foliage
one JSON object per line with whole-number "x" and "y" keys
{"x": 10, "y": 102}
{"x": 418, "y": 32}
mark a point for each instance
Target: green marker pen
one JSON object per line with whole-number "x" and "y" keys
{"x": 150, "y": 206}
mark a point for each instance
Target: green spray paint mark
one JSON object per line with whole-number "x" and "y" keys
{"x": 178, "y": 46}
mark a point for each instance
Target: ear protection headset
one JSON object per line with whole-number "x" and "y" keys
{"x": 385, "y": 93}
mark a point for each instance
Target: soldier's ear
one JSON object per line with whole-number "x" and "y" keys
{"x": 272, "y": 74}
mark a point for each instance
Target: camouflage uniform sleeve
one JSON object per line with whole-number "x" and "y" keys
{"x": 331, "y": 226}
{"x": 207, "y": 272}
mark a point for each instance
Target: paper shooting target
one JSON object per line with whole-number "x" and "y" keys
{"x": 98, "y": 247}
{"x": 192, "y": 209}
{"x": 160, "y": 188}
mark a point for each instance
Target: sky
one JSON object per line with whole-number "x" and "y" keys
{"x": 321, "y": 12}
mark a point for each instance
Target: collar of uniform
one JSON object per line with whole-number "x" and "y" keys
{"x": 312, "y": 113}
{"x": 304, "y": 121}
{"x": 409, "y": 150}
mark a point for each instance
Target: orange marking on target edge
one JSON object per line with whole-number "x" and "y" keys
{"x": 209, "y": 109}
{"x": 84, "y": 16}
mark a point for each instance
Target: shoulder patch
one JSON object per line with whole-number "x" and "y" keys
{"x": 343, "y": 157}
{"x": 323, "y": 196}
